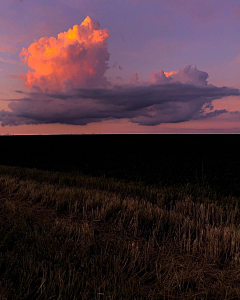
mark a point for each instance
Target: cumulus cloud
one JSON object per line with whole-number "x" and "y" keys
{"x": 68, "y": 86}
{"x": 78, "y": 57}
{"x": 189, "y": 75}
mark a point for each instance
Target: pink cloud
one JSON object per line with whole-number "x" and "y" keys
{"x": 135, "y": 78}
{"x": 76, "y": 58}
{"x": 12, "y": 76}
{"x": 10, "y": 61}
{"x": 7, "y": 48}
{"x": 187, "y": 75}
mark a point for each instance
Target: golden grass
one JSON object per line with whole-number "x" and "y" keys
{"x": 66, "y": 236}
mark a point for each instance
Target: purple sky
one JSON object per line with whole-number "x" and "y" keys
{"x": 113, "y": 76}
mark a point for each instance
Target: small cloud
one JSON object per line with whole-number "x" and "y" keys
{"x": 7, "y": 48}
{"x": 10, "y": 61}
{"x": 13, "y": 76}
{"x": 116, "y": 64}
{"x": 211, "y": 114}
{"x": 135, "y": 78}
{"x": 189, "y": 75}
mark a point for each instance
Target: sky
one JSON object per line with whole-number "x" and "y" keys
{"x": 122, "y": 66}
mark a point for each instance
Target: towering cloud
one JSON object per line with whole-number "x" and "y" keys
{"x": 68, "y": 86}
{"x": 75, "y": 58}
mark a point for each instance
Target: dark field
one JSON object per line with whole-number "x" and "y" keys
{"x": 119, "y": 217}
{"x": 153, "y": 159}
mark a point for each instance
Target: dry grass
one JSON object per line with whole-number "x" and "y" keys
{"x": 66, "y": 236}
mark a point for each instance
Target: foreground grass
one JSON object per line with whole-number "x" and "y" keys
{"x": 66, "y": 236}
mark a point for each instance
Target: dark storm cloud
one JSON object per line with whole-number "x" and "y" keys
{"x": 149, "y": 104}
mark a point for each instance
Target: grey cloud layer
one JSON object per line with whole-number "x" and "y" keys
{"x": 147, "y": 105}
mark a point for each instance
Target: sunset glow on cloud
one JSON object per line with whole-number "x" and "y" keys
{"x": 65, "y": 69}
{"x": 188, "y": 75}
{"x": 75, "y": 58}
{"x": 68, "y": 86}
{"x": 144, "y": 103}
